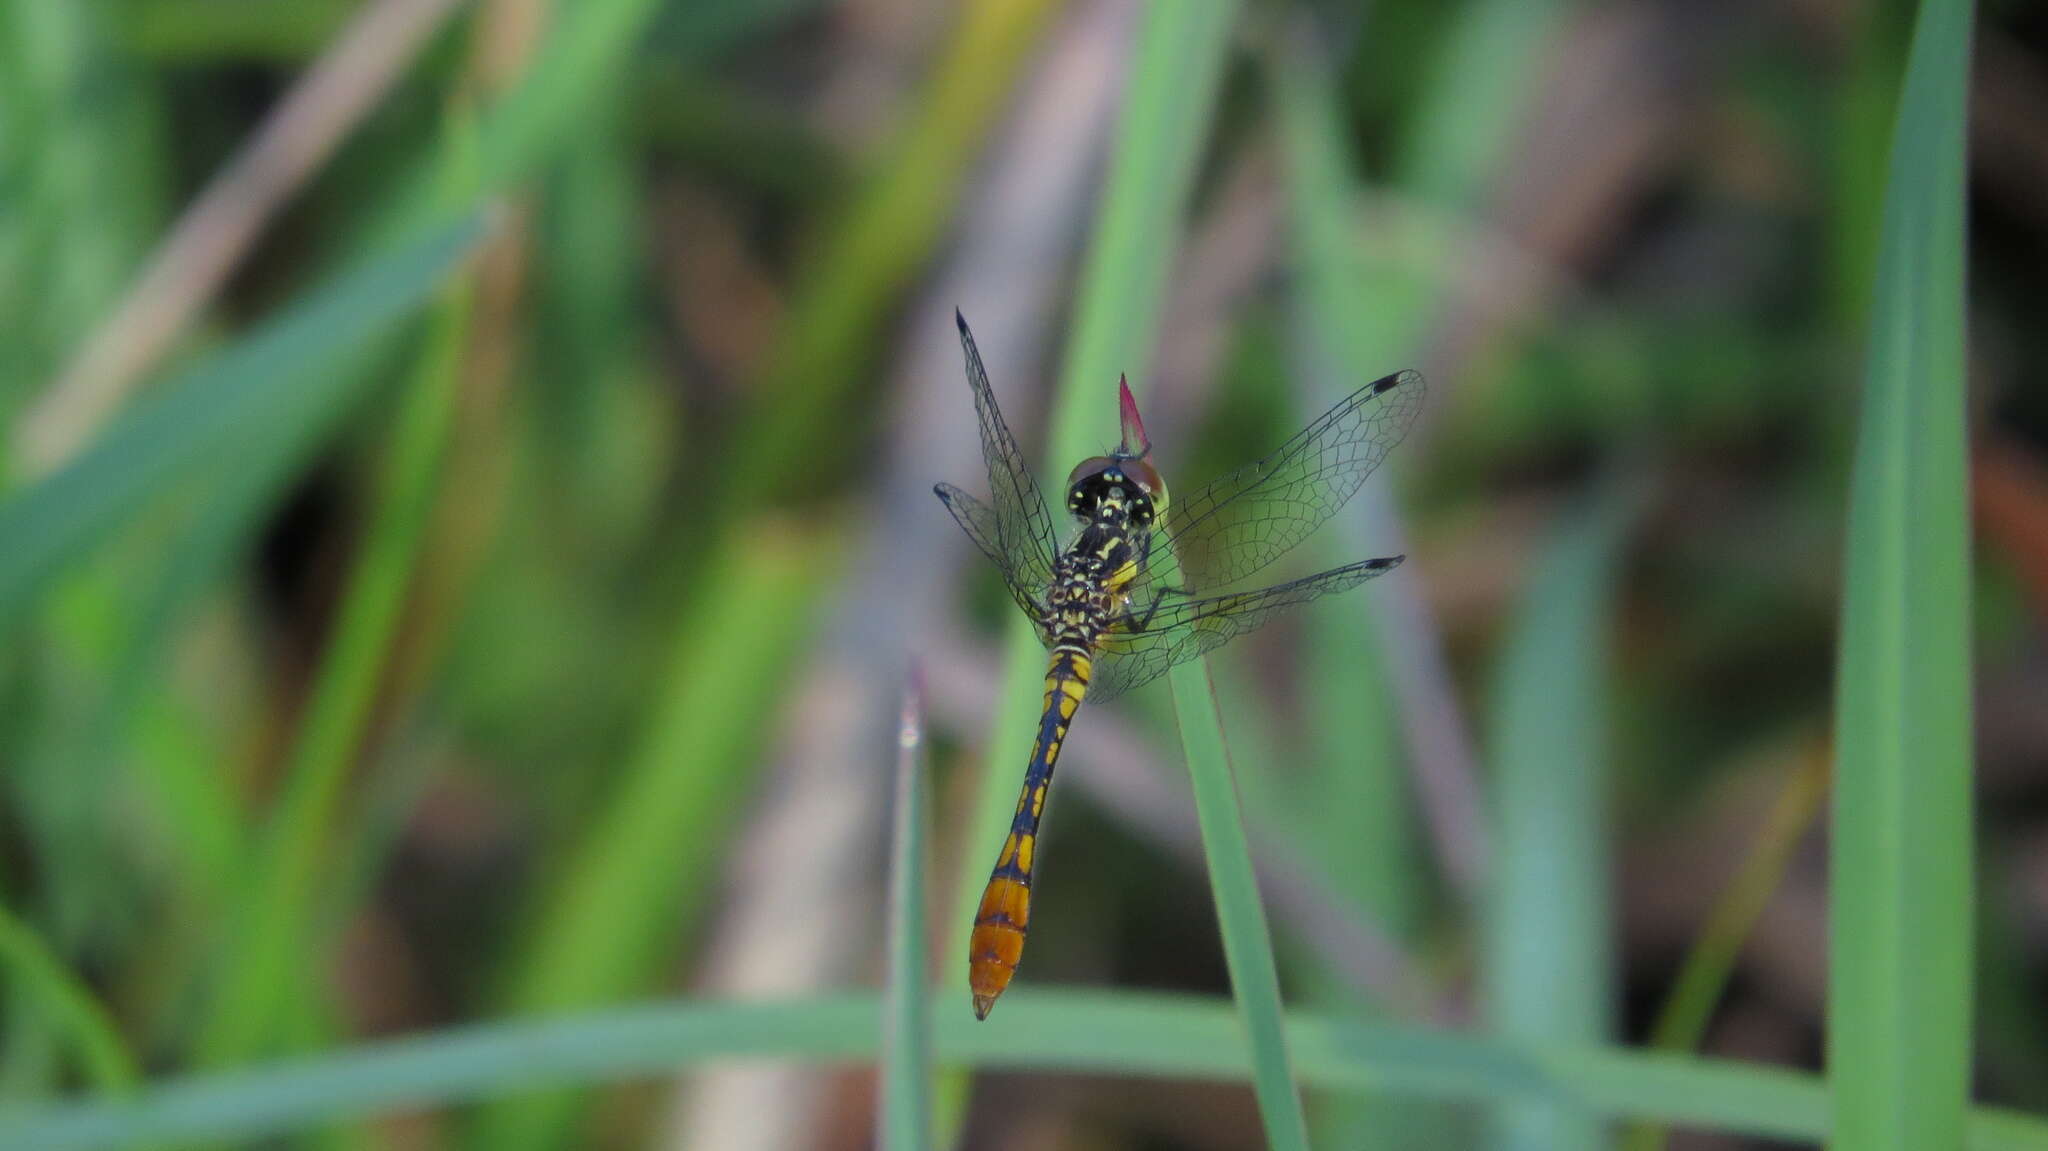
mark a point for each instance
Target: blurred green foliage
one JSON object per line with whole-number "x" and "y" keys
{"x": 430, "y": 637}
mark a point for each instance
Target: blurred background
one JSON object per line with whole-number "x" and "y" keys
{"x": 541, "y": 649}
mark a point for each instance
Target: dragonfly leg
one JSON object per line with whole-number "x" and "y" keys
{"x": 1133, "y": 622}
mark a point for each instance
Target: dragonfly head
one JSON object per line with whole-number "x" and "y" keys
{"x": 1118, "y": 487}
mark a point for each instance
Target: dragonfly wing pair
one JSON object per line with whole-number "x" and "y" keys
{"x": 1226, "y": 532}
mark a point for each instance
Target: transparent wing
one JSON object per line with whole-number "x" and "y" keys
{"x": 1015, "y": 530}
{"x": 1245, "y": 520}
{"x": 1138, "y": 650}
{"x": 978, "y": 520}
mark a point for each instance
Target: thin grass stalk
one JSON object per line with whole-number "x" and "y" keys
{"x": 263, "y": 969}
{"x": 67, "y": 1006}
{"x": 1901, "y": 898}
{"x": 885, "y": 235}
{"x": 1359, "y": 803}
{"x": 1125, "y": 1034}
{"x": 1364, "y": 318}
{"x": 1247, "y": 941}
{"x": 903, "y": 1122}
{"x": 1702, "y": 979}
{"x": 1549, "y": 972}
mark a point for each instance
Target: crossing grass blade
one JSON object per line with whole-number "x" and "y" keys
{"x": 1127, "y": 1034}
{"x": 1549, "y": 973}
{"x": 275, "y": 931}
{"x": 277, "y": 382}
{"x": 68, "y": 1007}
{"x": 904, "y": 1120}
{"x": 1900, "y": 909}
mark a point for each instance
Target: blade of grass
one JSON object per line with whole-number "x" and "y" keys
{"x": 886, "y": 233}
{"x": 1900, "y": 911}
{"x": 193, "y": 260}
{"x": 45, "y": 984}
{"x": 1247, "y": 942}
{"x": 1368, "y": 317}
{"x": 1121, "y": 1033}
{"x": 1549, "y": 975}
{"x": 903, "y": 1122}
{"x": 586, "y": 52}
{"x": 262, "y": 971}
{"x": 275, "y": 382}
{"x": 84, "y": 164}
{"x": 210, "y": 32}
{"x": 1683, "y": 1021}
{"x": 641, "y": 874}
{"x": 1360, "y": 803}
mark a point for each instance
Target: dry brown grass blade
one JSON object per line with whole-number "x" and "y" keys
{"x": 188, "y": 268}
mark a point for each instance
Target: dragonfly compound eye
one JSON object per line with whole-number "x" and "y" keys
{"x": 1087, "y": 483}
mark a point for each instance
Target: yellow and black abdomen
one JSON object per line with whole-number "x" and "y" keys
{"x": 1005, "y": 914}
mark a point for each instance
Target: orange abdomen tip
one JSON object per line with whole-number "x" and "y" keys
{"x": 998, "y": 940}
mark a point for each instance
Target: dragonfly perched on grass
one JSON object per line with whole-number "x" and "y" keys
{"x": 1142, "y": 587}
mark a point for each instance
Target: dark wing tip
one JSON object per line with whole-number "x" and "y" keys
{"x": 944, "y": 492}
{"x": 1387, "y": 563}
{"x": 1398, "y": 379}
{"x": 959, "y": 321}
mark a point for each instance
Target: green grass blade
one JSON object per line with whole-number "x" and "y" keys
{"x": 1247, "y": 943}
{"x": 587, "y": 50}
{"x": 1682, "y": 1022}
{"x": 1358, "y": 742}
{"x": 886, "y": 233}
{"x": 262, "y": 971}
{"x": 1900, "y": 906}
{"x": 210, "y": 32}
{"x": 643, "y": 869}
{"x": 904, "y": 1120}
{"x": 43, "y": 983}
{"x": 1363, "y": 317}
{"x": 1548, "y": 966}
{"x": 279, "y": 381}
{"x": 1126, "y": 1034}
{"x": 1359, "y": 805}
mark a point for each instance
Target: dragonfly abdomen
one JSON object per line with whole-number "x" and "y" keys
{"x": 1004, "y": 917}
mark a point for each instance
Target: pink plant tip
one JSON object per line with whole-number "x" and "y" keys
{"x": 1135, "y": 442}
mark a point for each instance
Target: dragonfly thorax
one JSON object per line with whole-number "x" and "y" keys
{"x": 1090, "y": 576}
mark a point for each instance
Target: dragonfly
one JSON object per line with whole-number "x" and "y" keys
{"x": 1144, "y": 583}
